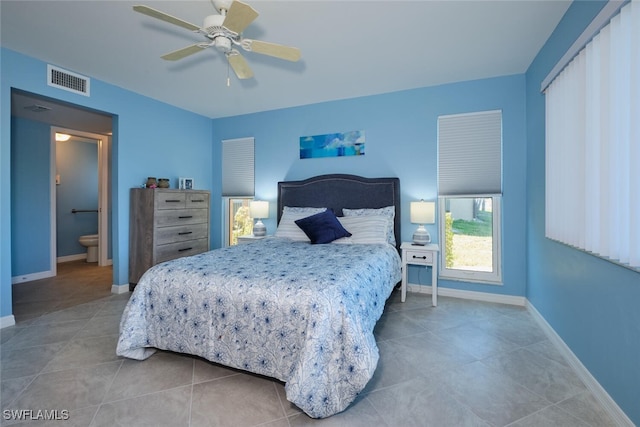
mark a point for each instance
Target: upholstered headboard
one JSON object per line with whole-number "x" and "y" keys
{"x": 338, "y": 191}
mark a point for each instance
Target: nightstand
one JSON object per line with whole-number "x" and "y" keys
{"x": 249, "y": 238}
{"x": 427, "y": 256}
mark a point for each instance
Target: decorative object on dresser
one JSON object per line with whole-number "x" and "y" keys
{"x": 165, "y": 224}
{"x": 422, "y": 213}
{"x": 185, "y": 183}
{"x": 259, "y": 210}
{"x": 424, "y": 255}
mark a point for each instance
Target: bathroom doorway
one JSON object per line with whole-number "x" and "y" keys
{"x": 80, "y": 172}
{"x": 34, "y": 122}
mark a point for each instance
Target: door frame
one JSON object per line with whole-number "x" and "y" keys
{"x": 103, "y": 143}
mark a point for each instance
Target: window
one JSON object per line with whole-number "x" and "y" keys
{"x": 237, "y": 187}
{"x": 593, "y": 143}
{"x": 469, "y": 188}
{"x": 239, "y": 221}
{"x": 470, "y": 226}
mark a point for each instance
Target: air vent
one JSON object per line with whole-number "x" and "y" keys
{"x": 63, "y": 79}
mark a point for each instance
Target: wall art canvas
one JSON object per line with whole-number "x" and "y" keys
{"x": 332, "y": 145}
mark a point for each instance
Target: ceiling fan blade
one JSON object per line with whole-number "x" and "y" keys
{"x": 239, "y": 16}
{"x": 272, "y": 49}
{"x": 185, "y": 51}
{"x": 165, "y": 17}
{"x": 239, "y": 65}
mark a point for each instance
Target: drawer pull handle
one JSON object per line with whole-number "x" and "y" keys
{"x": 185, "y": 216}
{"x": 420, "y": 257}
{"x": 185, "y": 249}
{"x": 198, "y": 201}
{"x": 172, "y": 201}
{"x": 185, "y": 232}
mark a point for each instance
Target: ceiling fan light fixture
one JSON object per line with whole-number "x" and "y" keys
{"x": 222, "y": 43}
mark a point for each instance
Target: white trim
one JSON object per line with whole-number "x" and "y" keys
{"x": 608, "y": 11}
{"x": 477, "y": 276}
{"x": 78, "y": 257}
{"x": 471, "y": 295}
{"x": 104, "y": 152}
{"x": 120, "y": 289}
{"x": 75, "y": 257}
{"x": 53, "y": 219}
{"x": 32, "y": 276}
{"x": 7, "y": 321}
{"x": 598, "y": 392}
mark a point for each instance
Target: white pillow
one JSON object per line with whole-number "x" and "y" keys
{"x": 388, "y": 212}
{"x": 369, "y": 229}
{"x": 288, "y": 228}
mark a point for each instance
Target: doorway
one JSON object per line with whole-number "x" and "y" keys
{"x": 34, "y": 121}
{"x": 83, "y": 213}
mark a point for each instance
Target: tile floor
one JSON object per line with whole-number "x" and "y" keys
{"x": 464, "y": 363}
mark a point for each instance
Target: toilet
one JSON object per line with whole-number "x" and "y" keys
{"x": 90, "y": 241}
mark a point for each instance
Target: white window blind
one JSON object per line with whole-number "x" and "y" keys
{"x": 593, "y": 144}
{"x": 238, "y": 167}
{"x": 470, "y": 153}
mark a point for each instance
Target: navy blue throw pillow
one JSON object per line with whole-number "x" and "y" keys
{"x": 322, "y": 227}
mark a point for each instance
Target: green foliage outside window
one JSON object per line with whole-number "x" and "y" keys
{"x": 242, "y": 224}
{"x": 448, "y": 239}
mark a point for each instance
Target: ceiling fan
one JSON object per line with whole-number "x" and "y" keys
{"x": 224, "y": 32}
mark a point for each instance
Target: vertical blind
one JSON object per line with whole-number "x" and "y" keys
{"x": 593, "y": 144}
{"x": 470, "y": 153}
{"x": 238, "y": 167}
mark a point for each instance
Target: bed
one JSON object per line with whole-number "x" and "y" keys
{"x": 282, "y": 307}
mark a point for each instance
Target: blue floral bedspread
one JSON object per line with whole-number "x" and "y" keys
{"x": 300, "y": 313}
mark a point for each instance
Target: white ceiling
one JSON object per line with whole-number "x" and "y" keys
{"x": 349, "y": 48}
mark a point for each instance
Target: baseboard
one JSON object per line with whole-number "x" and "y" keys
{"x": 32, "y": 276}
{"x": 472, "y": 295}
{"x": 599, "y": 393}
{"x": 7, "y": 321}
{"x": 67, "y": 258}
{"x": 119, "y": 289}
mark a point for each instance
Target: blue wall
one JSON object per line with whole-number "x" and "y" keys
{"x": 30, "y": 197}
{"x": 150, "y": 139}
{"x": 591, "y": 303}
{"x": 77, "y": 165}
{"x": 401, "y": 140}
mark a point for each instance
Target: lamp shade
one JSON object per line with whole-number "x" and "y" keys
{"x": 259, "y": 209}
{"x": 423, "y": 212}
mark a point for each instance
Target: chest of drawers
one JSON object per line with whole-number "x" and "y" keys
{"x": 165, "y": 224}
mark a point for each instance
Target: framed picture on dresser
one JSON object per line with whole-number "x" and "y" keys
{"x": 185, "y": 183}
